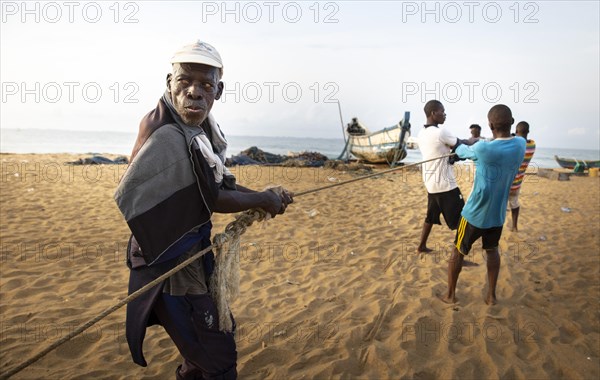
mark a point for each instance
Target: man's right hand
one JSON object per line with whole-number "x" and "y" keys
{"x": 276, "y": 203}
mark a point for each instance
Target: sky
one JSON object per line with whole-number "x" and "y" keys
{"x": 100, "y": 66}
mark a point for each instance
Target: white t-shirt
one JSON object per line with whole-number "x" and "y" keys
{"x": 438, "y": 175}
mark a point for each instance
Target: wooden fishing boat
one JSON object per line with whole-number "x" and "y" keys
{"x": 570, "y": 163}
{"x": 387, "y": 145}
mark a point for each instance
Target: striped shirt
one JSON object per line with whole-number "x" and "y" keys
{"x": 529, "y": 150}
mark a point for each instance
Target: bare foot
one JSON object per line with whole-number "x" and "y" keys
{"x": 424, "y": 250}
{"x": 491, "y": 300}
{"x": 445, "y": 299}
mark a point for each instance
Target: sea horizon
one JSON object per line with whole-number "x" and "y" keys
{"x": 19, "y": 141}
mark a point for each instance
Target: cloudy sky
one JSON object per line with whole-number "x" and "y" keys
{"x": 102, "y": 65}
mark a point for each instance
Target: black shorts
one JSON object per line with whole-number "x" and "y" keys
{"x": 467, "y": 234}
{"x": 449, "y": 203}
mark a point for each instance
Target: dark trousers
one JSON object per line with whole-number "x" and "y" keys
{"x": 192, "y": 322}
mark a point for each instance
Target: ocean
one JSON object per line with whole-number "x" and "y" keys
{"x": 88, "y": 142}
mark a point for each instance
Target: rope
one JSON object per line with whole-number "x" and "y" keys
{"x": 368, "y": 176}
{"x": 232, "y": 231}
{"x": 105, "y": 313}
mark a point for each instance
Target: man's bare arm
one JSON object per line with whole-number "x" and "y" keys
{"x": 244, "y": 189}
{"x": 230, "y": 201}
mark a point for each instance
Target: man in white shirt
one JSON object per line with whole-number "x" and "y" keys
{"x": 443, "y": 195}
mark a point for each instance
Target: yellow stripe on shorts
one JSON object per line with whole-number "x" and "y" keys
{"x": 462, "y": 227}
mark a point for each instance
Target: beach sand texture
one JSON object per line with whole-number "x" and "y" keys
{"x": 332, "y": 289}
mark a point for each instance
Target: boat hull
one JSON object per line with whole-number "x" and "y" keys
{"x": 569, "y": 163}
{"x": 379, "y": 147}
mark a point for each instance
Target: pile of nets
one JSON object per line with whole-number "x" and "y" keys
{"x": 256, "y": 156}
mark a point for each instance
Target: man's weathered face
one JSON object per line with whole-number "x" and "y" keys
{"x": 194, "y": 88}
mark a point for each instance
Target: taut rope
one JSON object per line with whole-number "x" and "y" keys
{"x": 233, "y": 231}
{"x": 368, "y": 176}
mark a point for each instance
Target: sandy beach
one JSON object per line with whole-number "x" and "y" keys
{"x": 334, "y": 288}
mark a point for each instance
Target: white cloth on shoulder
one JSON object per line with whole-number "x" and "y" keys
{"x": 215, "y": 153}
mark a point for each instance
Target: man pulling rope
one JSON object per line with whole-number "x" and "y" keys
{"x": 176, "y": 180}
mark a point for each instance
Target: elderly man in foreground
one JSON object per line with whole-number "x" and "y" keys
{"x": 176, "y": 180}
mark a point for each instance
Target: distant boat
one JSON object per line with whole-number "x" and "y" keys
{"x": 412, "y": 143}
{"x": 387, "y": 145}
{"x": 570, "y": 163}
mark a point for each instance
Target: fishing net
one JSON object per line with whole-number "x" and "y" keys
{"x": 225, "y": 280}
